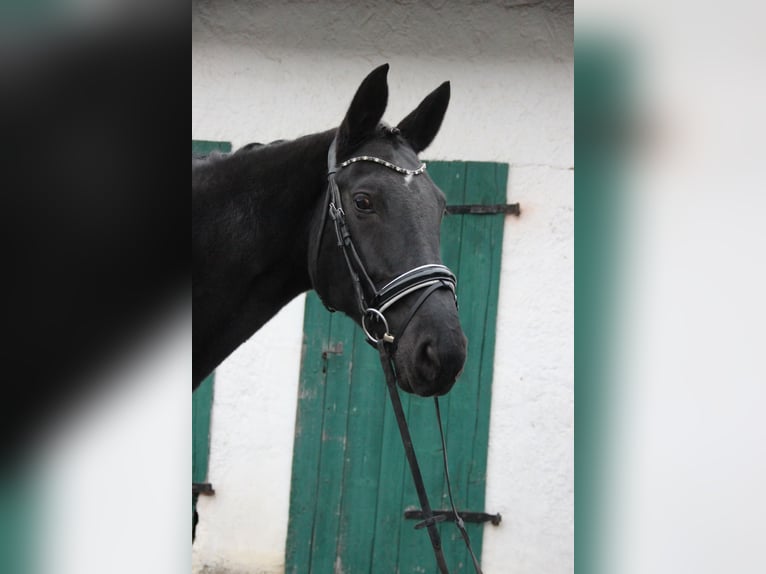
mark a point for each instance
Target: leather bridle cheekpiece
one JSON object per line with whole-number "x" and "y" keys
{"x": 428, "y": 277}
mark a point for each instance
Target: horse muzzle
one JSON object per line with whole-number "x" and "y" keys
{"x": 431, "y": 357}
{"x": 438, "y": 366}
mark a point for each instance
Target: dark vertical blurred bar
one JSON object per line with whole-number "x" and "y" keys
{"x": 601, "y": 98}
{"x": 93, "y": 224}
{"x": 92, "y": 212}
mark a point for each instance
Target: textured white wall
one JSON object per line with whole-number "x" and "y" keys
{"x": 263, "y": 71}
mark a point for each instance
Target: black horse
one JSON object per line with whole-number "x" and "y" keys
{"x": 266, "y": 227}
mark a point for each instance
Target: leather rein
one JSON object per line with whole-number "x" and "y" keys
{"x": 372, "y": 303}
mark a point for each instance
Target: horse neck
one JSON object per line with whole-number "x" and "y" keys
{"x": 252, "y": 214}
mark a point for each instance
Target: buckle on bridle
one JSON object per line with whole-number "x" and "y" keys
{"x": 336, "y": 212}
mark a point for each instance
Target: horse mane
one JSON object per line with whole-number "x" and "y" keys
{"x": 253, "y": 145}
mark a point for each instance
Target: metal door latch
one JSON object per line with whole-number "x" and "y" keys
{"x": 475, "y": 517}
{"x": 336, "y": 349}
{"x": 202, "y": 488}
{"x": 507, "y": 209}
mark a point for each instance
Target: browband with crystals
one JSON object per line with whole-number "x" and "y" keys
{"x": 388, "y": 164}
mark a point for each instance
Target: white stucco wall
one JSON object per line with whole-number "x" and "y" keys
{"x": 265, "y": 70}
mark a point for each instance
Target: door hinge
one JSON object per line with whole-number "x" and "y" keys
{"x": 476, "y": 517}
{"x": 202, "y": 488}
{"x": 473, "y": 209}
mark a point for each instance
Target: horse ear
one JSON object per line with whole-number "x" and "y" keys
{"x": 421, "y": 126}
{"x": 365, "y": 111}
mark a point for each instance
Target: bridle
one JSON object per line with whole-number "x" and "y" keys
{"x": 372, "y": 302}
{"x": 427, "y": 279}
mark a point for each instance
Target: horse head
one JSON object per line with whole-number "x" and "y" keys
{"x": 376, "y": 256}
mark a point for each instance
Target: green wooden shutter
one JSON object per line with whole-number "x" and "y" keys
{"x": 203, "y": 147}
{"x": 22, "y": 509}
{"x": 202, "y": 398}
{"x": 202, "y": 402}
{"x": 350, "y": 482}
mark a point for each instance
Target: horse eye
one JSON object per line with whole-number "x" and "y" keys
{"x": 362, "y": 202}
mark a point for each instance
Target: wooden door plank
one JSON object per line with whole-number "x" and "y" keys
{"x": 478, "y": 472}
{"x": 204, "y": 147}
{"x": 451, "y": 178}
{"x": 467, "y": 414}
{"x": 308, "y": 432}
{"x": 202, "y": 400}
{"x": 333, "y": 446}
{"x": 389, "y": 506}
{"x": 361, "y": 472}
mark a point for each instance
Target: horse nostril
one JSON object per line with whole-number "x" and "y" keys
{"x": 429, "y": 356}
{"x": 437, "y": 365}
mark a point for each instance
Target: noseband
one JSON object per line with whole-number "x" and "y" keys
{"x": 371, "y": 301}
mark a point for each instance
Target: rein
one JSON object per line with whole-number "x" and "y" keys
{"x": 430, "y": 519}
{"x": 426, "y": 278}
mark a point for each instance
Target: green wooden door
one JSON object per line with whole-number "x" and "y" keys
{"x": 350, "y": 482}
{"x": 202, "y": 403}
{"x": 202, "y": 398}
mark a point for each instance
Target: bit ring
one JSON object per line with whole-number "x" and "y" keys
{"x": 370, "y": 312}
